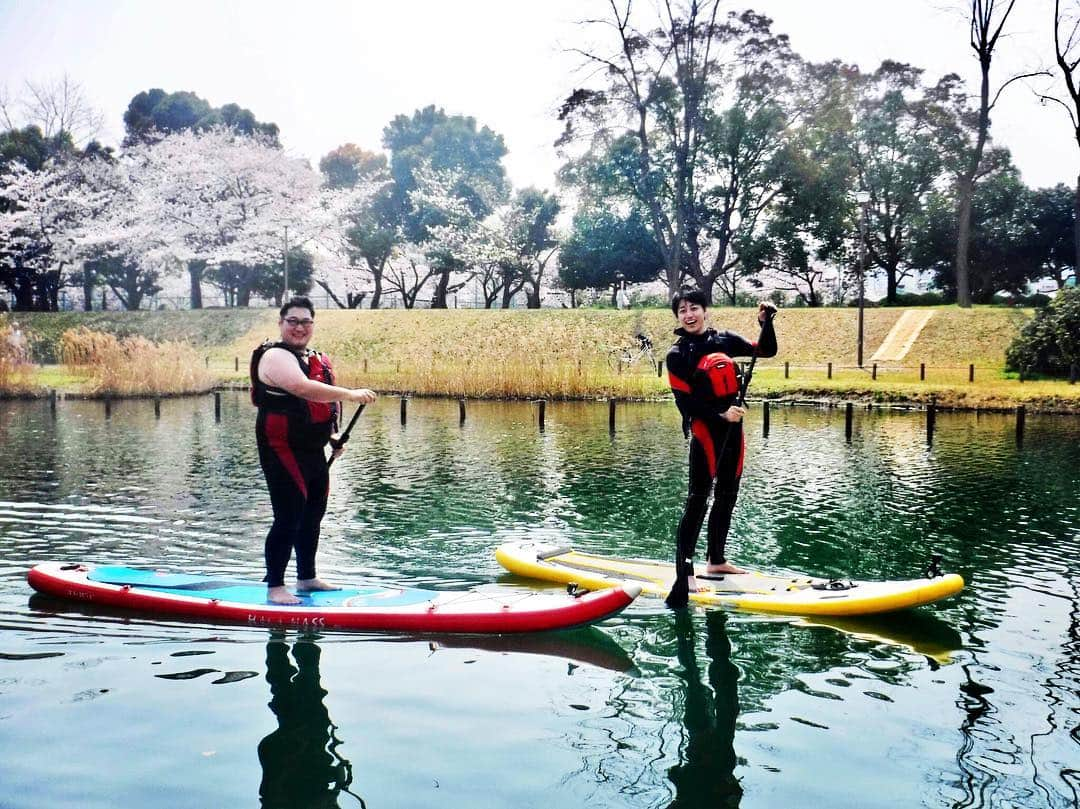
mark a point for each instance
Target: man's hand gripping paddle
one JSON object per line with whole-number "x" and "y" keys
{"x": 342, "y": 440}
{"x": 679, "y": 596}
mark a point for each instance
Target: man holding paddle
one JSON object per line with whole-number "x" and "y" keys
{"x": 299, "y": 410}
{"x": 710, "y": 391}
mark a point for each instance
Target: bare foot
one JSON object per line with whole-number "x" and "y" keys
{"x": 727, "y": 567}
{"x": 691, "y": 584}
{"x": 314, "y": 586}
{"x": 281, "y": 595}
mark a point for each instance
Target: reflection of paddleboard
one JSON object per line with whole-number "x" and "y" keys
{"x": 363, "y": 608}
{"x": 754, "y": 592}
{"x": 921, "y": 632}
{"x": 586, "y": 646}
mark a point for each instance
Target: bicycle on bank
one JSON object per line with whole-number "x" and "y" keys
{"x": 622, "y": 358}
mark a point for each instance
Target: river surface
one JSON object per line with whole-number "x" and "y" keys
{"x": 972, "y": 702}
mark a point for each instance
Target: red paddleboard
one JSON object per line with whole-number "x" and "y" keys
{"x": 365, "y": 608}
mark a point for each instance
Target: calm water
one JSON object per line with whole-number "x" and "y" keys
{"x": 970, "y": 703}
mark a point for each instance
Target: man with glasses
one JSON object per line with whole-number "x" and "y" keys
{"x": 293, "y": 387}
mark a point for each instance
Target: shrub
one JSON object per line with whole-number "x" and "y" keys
{"x": 1050, "y": 342}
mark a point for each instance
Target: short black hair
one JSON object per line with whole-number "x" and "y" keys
{"x": 298, "y": 302}
{"x": 690, "y": 295}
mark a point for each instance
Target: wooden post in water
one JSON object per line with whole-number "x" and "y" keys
{"x": 108, "y": 406}
{"x": 157, "y": 407}
{"x": 830, "y": 370}
{"x": 52, "y": 402}
{"x": 404, "y": 408}
{"x": 849, "y": 417}
{"x": 873, "y": 373}
{"x": 765, "y": 419}
{"x": 922, "y": 371}
{"x": 931, "y": 416}
{"x": 971, "y": 372}
{"x": 611, "y": 415}
{"x": 543, "y": 407}
{"x": 461, "y": 411}
{"x": 787, "y": 369}
{"x": 1021, "y": 414}
{"x": 217, "y": 406}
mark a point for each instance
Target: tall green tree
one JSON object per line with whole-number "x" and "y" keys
{"x": 430, "y": 139}
{"x": 657, "y": 135}
{"x": 238, "y": 282}
{"x": 529, "y": 230}
{"x": 1053, "y": 220}
{"x": 156, "y": 112}
{"x": 375, "y": 229}
{"x": 603, "y": 243}
{"x": 1003, "y": 251}
{"x": 898, "y": 160}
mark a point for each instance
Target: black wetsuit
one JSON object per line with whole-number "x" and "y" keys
{"x": 716, "y": 446}
{"x": 292, "y": 434}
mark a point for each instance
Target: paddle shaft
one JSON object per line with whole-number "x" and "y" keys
{"x": 343, "y": 439}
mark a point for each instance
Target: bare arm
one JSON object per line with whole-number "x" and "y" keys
{"x": 279, "y": 368}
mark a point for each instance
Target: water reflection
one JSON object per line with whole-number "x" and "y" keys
{"x": 705, "y": 774}
{"x": 301, "y": 764}
{"x": 424, "y": 504}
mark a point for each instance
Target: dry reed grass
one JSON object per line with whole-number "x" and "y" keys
{"x": 135, "y": 366}
{"x": 16, "y": 370}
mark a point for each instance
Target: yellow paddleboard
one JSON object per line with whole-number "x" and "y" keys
{"x": 753, "y": 592}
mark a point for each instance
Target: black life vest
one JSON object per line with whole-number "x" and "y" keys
{"x": 315, "y": 366}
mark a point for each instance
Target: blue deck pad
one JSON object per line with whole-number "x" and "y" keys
{"x": 248, "y": 592}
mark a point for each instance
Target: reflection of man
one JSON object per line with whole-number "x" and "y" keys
{"x": 300, "y": 762}
{"x": 706, "y": 774}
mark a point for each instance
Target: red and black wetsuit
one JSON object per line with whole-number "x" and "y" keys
{"x": 292, "y": 434}
{"x": 705, "y": 382}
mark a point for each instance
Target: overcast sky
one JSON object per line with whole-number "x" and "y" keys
{"x": 330, "y": 72}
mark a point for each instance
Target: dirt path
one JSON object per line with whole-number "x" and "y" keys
{"x": 902, "y": 336}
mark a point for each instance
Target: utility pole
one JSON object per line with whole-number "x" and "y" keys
{"x": 285, "y": 292}
{"x": 863, "y": 198}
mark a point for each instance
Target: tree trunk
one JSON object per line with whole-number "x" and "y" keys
{"x": 377, "y": 274}
{"x": 438, "y": 300}
{"x": 87, "y": 290}
{"x": 195, "y": 271}
{"x": 963, "y": 242}
{"x": 1076, "y": 230}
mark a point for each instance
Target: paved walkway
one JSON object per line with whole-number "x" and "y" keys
{"x": 903, "y": 335}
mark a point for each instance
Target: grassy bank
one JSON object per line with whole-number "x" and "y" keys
{"x": 566, "y": 354}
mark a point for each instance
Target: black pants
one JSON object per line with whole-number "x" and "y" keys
{"x": 716, "y": 459}
{"x": 299, "y": 481}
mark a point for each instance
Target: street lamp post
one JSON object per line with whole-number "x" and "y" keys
{"x": 863, "y": 198}
{"x": 285, "y": 292}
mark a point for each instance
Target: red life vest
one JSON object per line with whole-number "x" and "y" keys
{"x": 315, "y": 366}
{"x": 720, "y": 374}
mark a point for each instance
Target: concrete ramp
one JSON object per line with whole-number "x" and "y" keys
{"x": 903, "y": 335}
